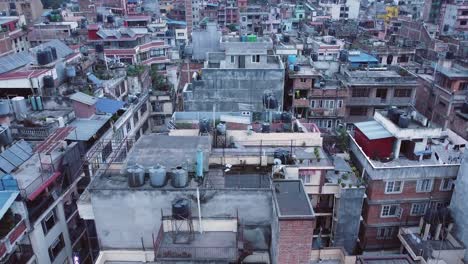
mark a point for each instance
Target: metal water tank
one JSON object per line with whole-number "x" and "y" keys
{"x": 286, "y": 117}
{"x": 179, "y": 177}
{"x": 19, "y": 107}
{"x": 84, "y": 50}
{"x": 53, "y": 51}
{"x": 157, "y": 176}
{"x": 181, "y": 209}
{"x": 4, "y": 107}
{"x": 39, "y": 103}
{"x": 99, "y": 18}
{"x": 221, "y": 128}
{"x": 204, "y": 126}
{"x": 403, "y": 121}
{"x": 70, "y": 71}
{"x": 5, "y": 135}
{"x": 110, "y": 19}
{"x": 48, "y": 81}
{"x": 297, "y": 68}
{"x": 266, "y": 128}
{"x": 42, "y": 57}
{"x": 99, "y": 48}
{"x": 32, "y": 100}
{"x": 136, "y": 176}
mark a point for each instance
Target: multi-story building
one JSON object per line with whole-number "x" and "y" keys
{"x": 126, "y": 45}
{"x": 453, "y": 17}
{"x": 408, "y": 167}
{"x": 442, "y": 100}
{"x": 31, "y": 9}
{"x": 47, "y": 31}
{"x": 259, "y": 20}
{"x": 13, "y": 38}
{"x": 341, "y": 10}
{"x": 237, "y": 79}
{"x": 371, "y": 89}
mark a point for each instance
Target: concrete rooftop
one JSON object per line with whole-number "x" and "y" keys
{"x": 291, "y": 200}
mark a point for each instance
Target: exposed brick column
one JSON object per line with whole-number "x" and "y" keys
{"x": 295, "y": 240}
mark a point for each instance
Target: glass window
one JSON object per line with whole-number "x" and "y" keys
{"x": 56, "y": 247}
{"x": 424, "y": 185}
{"x": 418, "y": 209}
{"x": 391, "y": 210}
{"x": 157, "y": 52}
{"x": 49, "y": 221}
{"x": 446, "y": 185}
{"x": 402, "y": 93}
{"x": 385, "y": 232}
{"x": 394, "y": 187}
{"x": 256, "y": 58}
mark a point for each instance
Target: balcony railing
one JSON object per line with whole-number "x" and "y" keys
{"x": 8, "y": 242}
{"x": 33, "y": 133}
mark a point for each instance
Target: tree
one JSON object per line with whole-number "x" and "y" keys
{"x": 158, "y": 81}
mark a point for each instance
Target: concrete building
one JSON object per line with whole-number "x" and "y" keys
{"x": 259, "y": 20}
{"x": 408, "y": 166}
{"x": 443, "y": 100}
{"x": 31, "y": 9}
{"x": 371, "y": 89}
{"x": 433, "y": 240}
{"x": 47, "y": 31}
{"x": 458, "y": 203}
{"x": 453, "y": 17}
{"x": 237, "y": 78}
{"x": 205, "y": 40}
{"x": 341, "y": 10}
{"x": 13, "y": 38}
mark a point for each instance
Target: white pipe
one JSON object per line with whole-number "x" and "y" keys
{"x": 199, "y": 211}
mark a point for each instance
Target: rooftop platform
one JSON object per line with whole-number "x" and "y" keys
{"x": 291, "y": 200}
{"x": 87, "y": 128}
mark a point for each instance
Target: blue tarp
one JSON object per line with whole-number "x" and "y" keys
{"x": 6, "y": 200}
{"x": 109, "y": 106}
{"x": 176, "y": 22}
{"x": 362, "y": 57}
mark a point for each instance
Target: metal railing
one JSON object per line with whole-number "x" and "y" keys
{"x": 198, "y": 253}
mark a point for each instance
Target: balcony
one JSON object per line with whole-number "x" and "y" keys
{"x": 377, "y": 101}
{"x": 323, "y": 112}
{"x": 301, "y": 102}
{"x": 12, "y": 229}
{"x": 22, "y": 255}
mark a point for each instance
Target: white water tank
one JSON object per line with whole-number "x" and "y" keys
{"x": 157, "y": 176}
{"x": 4, "y": 107}
{"x": 19, "y": 107}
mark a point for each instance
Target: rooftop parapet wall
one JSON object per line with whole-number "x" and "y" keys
{"x": 234, "y": 43}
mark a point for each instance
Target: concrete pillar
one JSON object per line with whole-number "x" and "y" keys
{"x": 421, "y": 224}
{"x": 437, "y": 232}
{"x": 449, "y": 228}
{"x": 396, "y": 149}
{"x": 426, "y": 231}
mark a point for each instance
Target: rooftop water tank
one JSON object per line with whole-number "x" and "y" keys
{"x": 19, "y": 107}
{"x": 403, "y": 121}
{"x": 286, "y": 117}
{"x": 179, "y": 177}
{"x": 48, "y": 81}
{"x": 84, "y": 50}
{"x": 99, "y": 18}
{"x": 70, "y": 71}
{"x": 110, "y": 19}
{"x": 266, "y": 128}
{"x": 181, "y": 209}
{"x": 136, "y": 176}
{"x": 204, "y": 126}
{"x": 42, "y": 57}
{"x": 270, "y": 102}
{"x": 297, "y": 68}
{"x": 32, "y": 100}
{"x": 221, "y": 128}
{"x": 39, "y": 104}
{"x": 292, "y": 59}
{"x": 157, "y": 176}
{"x": 99, "y": 47}
{"x": 4, "y": 107}
{"x": 464, "y": 109}
{"x": 5, "y": 135}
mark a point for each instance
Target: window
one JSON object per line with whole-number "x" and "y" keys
{"x": 157, "y": 52}
{"x": 463, "y": 86}
{"x": 391, "y": 210}
{"x": 418, "y": 209}
{"x": 305, "y": 178}
{"x": 256, "y": 58}
{"x": 394, "y": 187}
{"x": 463, "y": 22}
{"x": 329, "y": 123}
{"x": 402, "y": 93}
{"x": 358, "y": 111}
{"x": 56, "y": 247}
{"x": 360, "y": 92}
{"x": 446, "y": 185}
{"x": 424, "y": 185}
{"x": 340, "y": 103}
{"x": 232, "y": 59}
{"x": 331, "y": 104}
{"x": 312, "y": 103}
{"x": 180, "y": 34}
{"x": 385, "y": 232}
{"x": 303, "y": 80}
{"x": 49, "y": 221}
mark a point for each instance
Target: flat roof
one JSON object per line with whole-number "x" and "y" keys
{"x": 373, "y": 130}
{"x": 86, "y": 128}
{"x": 292, "y": 200}
{"x": 84, "y": 98}
{"x": 362, "y": 57}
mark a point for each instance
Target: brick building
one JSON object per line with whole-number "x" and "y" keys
{"x": 409, "y": 167}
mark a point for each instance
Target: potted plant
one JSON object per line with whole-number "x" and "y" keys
{"x": 317, "y": 153}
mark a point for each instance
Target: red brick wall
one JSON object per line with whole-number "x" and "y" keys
{"x": 298, "y": 84}
{"x": 376, "y": 191}
{"x": 369, "y": 239}
{"x": 83, "y": 110}
{"x": 295, "y": 241}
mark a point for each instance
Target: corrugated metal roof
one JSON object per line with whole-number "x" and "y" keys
{"x": 373, "y": 130}
{"x": 6, "y": 200}
{"x": 362, "y": 57}
{"x": 109, "y": 106}
{"x": 62, "y": 49}
{"x": 14, "y": 61}
{"x": 86, "y": 128}
{"x": 83, "y": 98}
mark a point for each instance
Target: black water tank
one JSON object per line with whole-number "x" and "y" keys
{"x": 297, "y": 68}
{"x": 42, "y": 57}
{"x": 48, "y": 81}
{"x": 281, "y": 154}
{"x": 464, "y": 109}
{"x": 286, "y": 117}
{"x": 266, "y": 128}
{"x": 286, "y": 39}
{"x": 99, "y": 18}
{"x": 54, "y": 52}
{"x": 270, "y": 102}
{"x": 403, "y": 121}
{"x": 99, "y": 48}
{"x": 181, "y": 209}
{"x": 314, "y": 57}
{"x": 110, "y": 19}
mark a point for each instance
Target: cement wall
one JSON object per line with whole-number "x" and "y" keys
{"x": 348, "y": 208}
{"x": 226, "y": 88}
{"x": 124, "y": 217}
{"x": 459, "y": 206}
{"x": 205, "y": 41}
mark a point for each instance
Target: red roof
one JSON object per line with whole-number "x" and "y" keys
{"x": 54, "y": 139}
{"x": 120, "y": 51}
{"x": 43, "y": 186}
{"x": 22, "y": 74}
